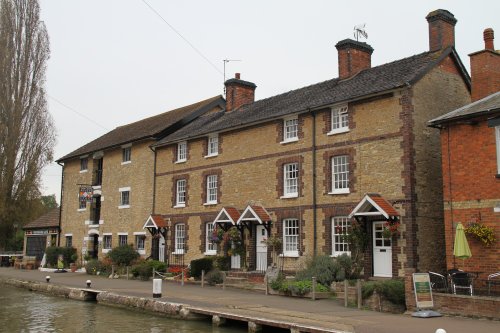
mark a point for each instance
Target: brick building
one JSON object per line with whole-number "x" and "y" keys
{"x": 115, "y": 172}
{"x": 470, "y": 144}
{"x": 302, "y": 165}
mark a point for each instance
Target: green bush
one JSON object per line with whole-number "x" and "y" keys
{"x": 222, "y": 263}
{"x": 348, "y": 268}
{"x": 144, "y": 269}
{"x": 214, "y": 277}
{"x": 123, "y": 255}
{"x": 392, "y": 290}
{"x": 198, "y": 265}
{"x": 296, "y": 287}
{"x": 324, "y": 268}
{"x": 53, "y": 252}
{"x": 96, "y": 267}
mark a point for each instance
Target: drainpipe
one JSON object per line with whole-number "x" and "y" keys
{"x": 154, "y": 181}
{"x": 60, "y": 205}
{"x": 449, "y": 185}
{"x": 315, "y": 241}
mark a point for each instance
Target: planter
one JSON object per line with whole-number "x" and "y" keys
{"x": 319, "y": 295}
{"x": 73, "y": 267}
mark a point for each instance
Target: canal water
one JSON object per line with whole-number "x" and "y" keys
{"x": 25, "y": 311}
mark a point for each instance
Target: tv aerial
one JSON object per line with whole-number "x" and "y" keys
{"x": 225, "y": 61}
{"x": 359, "y": 31}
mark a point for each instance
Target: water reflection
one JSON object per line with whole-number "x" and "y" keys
{"x": 24, "y": 311}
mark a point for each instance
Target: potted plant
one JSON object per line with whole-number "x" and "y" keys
{"x": 72, "y": 265}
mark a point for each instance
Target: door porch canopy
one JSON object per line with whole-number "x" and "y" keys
{"x": 255, "y": 214}
{"x": 374, "y": 207}
{"x": 227, "y": 218}
{"x": 156, "y": 224}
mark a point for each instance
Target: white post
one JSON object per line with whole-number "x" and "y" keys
{"x": 156, "y": 288}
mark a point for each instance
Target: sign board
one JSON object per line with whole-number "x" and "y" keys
{"x": 423, "y": 291}
{"x": 86, "y": 193}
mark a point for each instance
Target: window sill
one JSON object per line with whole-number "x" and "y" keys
{"x": 93, "y": 225}
{"x": 289, "y": 255}
{"x": 123, "y": 206}
{"x": 178, "y": 253}
{"x": 105, "y": 250}
{"x": 346, "y": 191}
{"x": 210, "y": 203}
{"x": 289, "y": 196}
{"x": 126, "y": 162}
{"x": 339, "y": 254}
{"x": 338, "y": 131}
{"x": 141, "y": 252}
{"x": 212, "y": 155}
{"x": 180, "y": 206}
{"x": 81, "y": 209}
{"x": 83, "y": 171}
{"x": 180, "y": 161}
{"x": 210, "y": 253}
{"x": 284, "y": 142}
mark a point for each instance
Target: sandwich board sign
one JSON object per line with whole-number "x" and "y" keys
{"x": 423, "y": 296}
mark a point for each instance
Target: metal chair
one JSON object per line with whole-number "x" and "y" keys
{"x": 461, "y": 280}
{"x": 438, "y": 282}
{"x": 492, "y": 280}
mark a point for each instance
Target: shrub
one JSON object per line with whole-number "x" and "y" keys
{"x": 96, "y": 267}
{"x": 324, "y": 268}
{"x": 392, "y": 290}
{"x": 123, "y": 255}
{"x": 222, "y": 263}
{"x": 349, "y": 270}
{"x": 214, "y": 277}
{"x": 198, "y": 265}
{"x": 144, "y": 269}
{"x": 296, "y": 287}
{"x": 53, "y": 252}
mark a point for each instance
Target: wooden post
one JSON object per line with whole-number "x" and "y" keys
{"x": 267, "y": 284}
{"x": 202, "y": 278}
{"x": 112, "y": 271}
{"x": 360, "y": 300}
{"x": 154, "y": 272}
{"x": 313, "y": 288}
{"x": 345, "y": 293}
{"x": 223, "y": 280}
{"x": 127, "y": 272}
{"x": 182, "y": 278}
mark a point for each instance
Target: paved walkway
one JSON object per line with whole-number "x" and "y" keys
{"x": 321, "y": 313}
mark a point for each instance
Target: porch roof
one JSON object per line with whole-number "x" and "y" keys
{"x": 155, "y": 221}
{"x": 373, "y": 204}
{"x": 255, "y": 213}
{"x": 227, "y": 215}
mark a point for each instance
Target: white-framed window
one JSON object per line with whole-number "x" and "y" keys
{"x": 180, "y": 238}
{"x": 84, "y": 164}
{"x": 497, "y": 134}
{"x": 107, "y": 242}
{"x": 69, "y": 240}
{"x": 180, "y": 193}
{"x": 210, "y": 246}
{"x": 139, "y": 242}
{"x": 290, "y": 180}
{"x": 122, "y": 240}
{"x": 340, "y": 120}
{"x": 291, "y": 237}
{"x": 126, "y": 154}
{"x": 290, "y": 129}
{"x": 212, "y": 189}
{"x": 182, "y": 151}
{"x": 341, "y": 226}
{"x": 124, "y": 197}
{"x": 340, "y": 174}
{"x": 213, "y": 145}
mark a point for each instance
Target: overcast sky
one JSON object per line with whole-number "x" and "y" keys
{"x": 116, "y": 61}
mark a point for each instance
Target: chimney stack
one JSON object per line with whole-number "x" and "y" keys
{"x": 238, "y": 93}
{"x": 485, "y": 68}
{"x": 354, "y": 56}
{"x": 441, "y": 29}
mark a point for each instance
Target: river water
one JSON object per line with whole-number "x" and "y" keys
{"x": 25, "y": 311}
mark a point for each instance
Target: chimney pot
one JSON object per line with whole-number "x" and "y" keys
{"x": 237, "y": 76}
{"x": 441, "y": 29}
{"x": 488, "y": 36}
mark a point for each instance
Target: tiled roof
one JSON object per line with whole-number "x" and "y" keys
{"x": 152, "y": 127}
{"x": 488, "y": 105}
{"x": 384, "y": 204}
{"x": 261, "y": 213}
{"x": 49, "y": 220}
{"x": 367, "y": 82}
{"x": 374, "y": 203}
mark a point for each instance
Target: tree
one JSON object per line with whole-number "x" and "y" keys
{"x": 27, "y": 133}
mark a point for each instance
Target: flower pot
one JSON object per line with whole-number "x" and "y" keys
{"x": 72, "y": 267}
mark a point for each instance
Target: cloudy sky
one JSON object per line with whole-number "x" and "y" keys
{"x": 118, "y": 61}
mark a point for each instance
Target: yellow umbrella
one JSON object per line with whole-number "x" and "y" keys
{"x": 461, "y": 247}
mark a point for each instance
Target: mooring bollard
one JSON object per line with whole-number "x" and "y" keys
{"x": 202, "y": 278}
{"x": 89, "y": 283}
{"x": 47, "y": 278}
{"x": 345, "y": 293}
{"x": 358, "y": 285}
{"x": 314, "y": 288}
{"x": 156, "y": 288}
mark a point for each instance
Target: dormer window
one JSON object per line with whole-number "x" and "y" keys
{"x": 182, "y": 151}
{"x": 290, "y": 129}
{"x": 213, "y": 145}
{"x": 340, "y": 120}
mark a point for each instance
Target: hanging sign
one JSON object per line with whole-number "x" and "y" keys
{"x": 86, "y": 193}
{"x": 423, "y": 292}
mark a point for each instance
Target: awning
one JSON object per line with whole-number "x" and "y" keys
{"x": 255, "y": 214}
{"x": 373, "y": 204}
{"x": 156, "y": 222}
{"x": 227, "y": 217}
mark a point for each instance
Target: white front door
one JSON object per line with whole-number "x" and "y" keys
{"x": 161, "y": 249}
{"x": 382, "y": 252}
{"x": 261, "y": 248}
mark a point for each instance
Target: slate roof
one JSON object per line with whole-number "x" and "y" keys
{"x": 153, "y": 127}
{"x": 488, "y": 105}
{"x": 367, "y": 82}
{"x": 49, "y": 220}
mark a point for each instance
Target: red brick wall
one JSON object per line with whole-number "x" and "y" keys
{"x": 485, "y": 73}
{"x": 352, "y": 61}
{"x": 238, "y": 95}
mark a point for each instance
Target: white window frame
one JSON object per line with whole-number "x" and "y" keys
{"x": 126, "y": 154}
{"x": 212, "y": 187}
{"x": 290, "y": 129}
{"x": 84, "y": 166}
{"x": 210, "y": 246}
{"x": 339, "y": 120}
{"x": 291, "y": 240}
{"x": 344, "y": 224}
{"x": 70, "y": 237}
{"x": 180, "y": 193}
{"x": 213, "y": 145}
{"x": 291, "y": 180}
{"x": 340, "y": 174}
{"x": 497, "y": 134}
{"x": 121, "y": 237}
{"x": 180, "y": 238}
{"x": 122, "y": 204}
{"x": 140, "y": 243}
{"x": 181, "y": 152}
{"x": 107, "y": 241}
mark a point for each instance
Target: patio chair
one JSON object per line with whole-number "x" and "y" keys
{"x": 461, "y": 280}
{"x": 493, "y": 279}
{"x": 438, "y": 282}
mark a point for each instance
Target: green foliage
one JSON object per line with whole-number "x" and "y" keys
{"x": 144, "y": 269}
{"x": 198, "y": 265}
{"x": 53, "y": 253}
{"x": 296, "y": 287}
{"x": 392, "y": 290}
{"x": 324, "y": 268}
{"x": 96, "y": 267}
{"x": 482, "y": 232}
{"x": 214, "y": 277}
{"x": 358, "y": 239}
{"x": 350, "y": 270}
{"x": 222, "y": 263}
{"x": 123, "y": 255}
